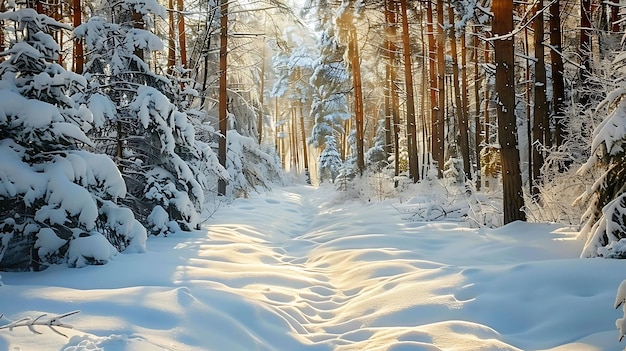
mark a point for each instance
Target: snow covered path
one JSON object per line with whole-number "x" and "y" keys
{"x": 300, "y": 269}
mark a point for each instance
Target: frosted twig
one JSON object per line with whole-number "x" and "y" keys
{"x": 30, "y": 323}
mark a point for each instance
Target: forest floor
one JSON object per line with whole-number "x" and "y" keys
{"x": 306, "y": 268}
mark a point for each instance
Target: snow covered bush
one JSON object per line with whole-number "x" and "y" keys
{"x": 52, "y": 194}
{"x": 248, "y": 166}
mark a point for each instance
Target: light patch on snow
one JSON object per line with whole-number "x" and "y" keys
{"x": 298, "y": 269}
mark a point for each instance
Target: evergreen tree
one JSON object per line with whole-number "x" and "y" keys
{"x": 605, "y": 219}
{"x": 329, "y": 160}
{"x": 151, "y": 140}
{"x": 329, "y": 109}
{"x": 57, "y": 202}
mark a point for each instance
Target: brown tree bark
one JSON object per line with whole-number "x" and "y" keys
{"x": 507, "y": 129}
{"x": 171, "y": 40}
{"x": 432, "y": 77}
{"x": 182, "y": 37}
{"x": 556, "y": 62}
{"x": 2, "y": 47}
{"x": 540, "y": 111}
{"x": 223, "y": 98}
{"x": 585, "y": 49}
{"x": 261, "y": 96}
{"x": 465, "y": 103}
{"x": 439, "y": 131}
{"x": 355, "y": 65}
{"x": 487, "y": 122}
{"x": 477, "y": 125}
{"x": 391, "y": 12}
{"x": 461, "y": 117}
{"x": 410, "y": 99}
{"x": 79, "y": 59}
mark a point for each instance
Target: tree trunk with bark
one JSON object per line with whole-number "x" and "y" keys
{"x": 558, "y": 82}
{"x": 507, "y": 129}
{"x": 477, "y": 125}
{"x": 223, "y": 97}
{"x": 585, "y": 50}
{"x": 461, "y": 117}
{"x": 182, "y": 37}
{"x": 171, "y": 40}
{"x": 79, "y": 55}
{"x": 410, "y": 100}
{"x": 355, "y": 64}
{"x": 432, "y": 77}
{"x": 540, "y": 112}
{"x": 439, "y": 132}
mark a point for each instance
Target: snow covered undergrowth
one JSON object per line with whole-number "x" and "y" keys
{"x": 297, "y": 269}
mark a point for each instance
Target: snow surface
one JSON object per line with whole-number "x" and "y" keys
{"x": 300, "y": 268}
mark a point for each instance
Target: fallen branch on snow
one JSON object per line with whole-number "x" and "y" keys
{"x": 30, "y": 323}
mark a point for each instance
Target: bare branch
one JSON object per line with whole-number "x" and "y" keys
{"x": 30, "y": 323}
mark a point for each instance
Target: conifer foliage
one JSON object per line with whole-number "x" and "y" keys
{"x": 605, "y": 219}
{"x": 58, "y": 202}
{"x": 152, "y": 142}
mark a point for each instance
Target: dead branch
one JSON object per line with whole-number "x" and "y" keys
{"x": 30, "y": 323}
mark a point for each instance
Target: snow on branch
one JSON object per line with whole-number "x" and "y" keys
{"x": 620, "y": 300}
{"x": 30, "y": 323}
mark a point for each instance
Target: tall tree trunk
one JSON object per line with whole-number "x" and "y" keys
{"x": 410, "y": 99}
{"x": 171, "y": 43}
{"x": 79, "y": 58}
{"x": 182, "y": 37}
{"x": 585, "y": 50}
{"x": 305, "y": 156}
{"x": 138, "y": 23}
{"x": 432, "y": 77}
{"x": 388, "y": 121}
{"x": 507, "y": 128}
{"x": 57, "y": 13}
{"x": 355, "y": 63}
{"x": 441, "y": 85}
{"x": 295, "y": 160}
{"x": 556, "y": 61}
{"x": 2, "y": 47}
{"x": 477, "y": 125}
{"x": 541, "y": 133}
{"x": 261, "y": 96}
{"x": 465, "y": 103}
{"x": 223, "y": 99}
{"x": 487, "y": 122}
{"x": 529, "y": 119}
{"x": 393, "y": 88}
{"x": 614, "y": 17}
{"x": 461, "y": 117}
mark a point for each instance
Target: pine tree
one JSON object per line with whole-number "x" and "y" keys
{"x": 58, "y": 203}
{"x": 605, "y": 219}
{"x": 150, "y": 139}
{"x": 329, "y": 160}
{"x": 329, "y": 108}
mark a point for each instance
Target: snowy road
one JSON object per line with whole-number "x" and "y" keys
{"x": 302, "y": 269}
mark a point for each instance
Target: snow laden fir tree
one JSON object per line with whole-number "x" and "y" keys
{"x": 151, "y": 140}
{"x": 605, "y": 220}
{"x": 58, "y": 202}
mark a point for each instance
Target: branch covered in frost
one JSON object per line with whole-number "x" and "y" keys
{"x": 30, "y": 323}
{"x": 620, "y": 300}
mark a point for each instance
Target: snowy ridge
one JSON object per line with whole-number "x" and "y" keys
{"x": 298, "y": 269}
